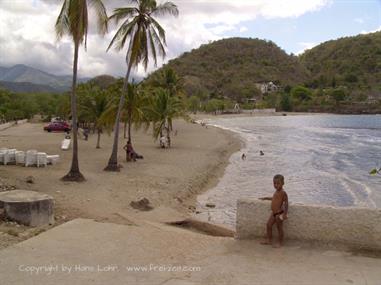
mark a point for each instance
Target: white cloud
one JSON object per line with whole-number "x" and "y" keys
{"x": 305, "y": 46}
{"x": 372, "y": 31}
{"x": 27, "y": 31}
{"x": 359, "y": 20}
{"x": 243, "y": 29}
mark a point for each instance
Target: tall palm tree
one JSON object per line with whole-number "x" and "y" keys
{"x": 73, "y": 21}
{"x": 145, "y": 36}
{"x": 162, "y": 109}
{"x": 168, "y": 79}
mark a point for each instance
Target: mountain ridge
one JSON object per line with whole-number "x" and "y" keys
{"x": 17, "y": 76}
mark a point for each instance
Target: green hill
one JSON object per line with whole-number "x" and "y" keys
{"x": 231, "y": 68}
{"x": 352, "y": 61}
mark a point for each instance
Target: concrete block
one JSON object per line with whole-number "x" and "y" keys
{"x": 356, "y": 227}
{"x": 27, "y": 207}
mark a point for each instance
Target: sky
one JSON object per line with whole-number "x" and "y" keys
{"x": 27, "y": 33}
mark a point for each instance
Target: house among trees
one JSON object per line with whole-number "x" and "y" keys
{"x": 267, "y": 87}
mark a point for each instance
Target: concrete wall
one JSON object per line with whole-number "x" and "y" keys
{"x": 358, "y": 227}
{"x": 6, "y": 125}
{"x": 10, "y": 124}
{"x": 264, "y": 110}
{"x": 260, "y": 111}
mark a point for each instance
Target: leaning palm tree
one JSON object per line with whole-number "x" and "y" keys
{"x": 73, "y": 21}
{"x": 145, "y": 36}
{"x": 162, "y": 109}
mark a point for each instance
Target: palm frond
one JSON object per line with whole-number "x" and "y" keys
{"x": 160, "y": 29}
{"x": 102, "y": 17}
{"x": 158, "y": 42}
{"x": 167, "y": 8}
{"x": 121, "y": 13}
{"x": 62, "y": 24}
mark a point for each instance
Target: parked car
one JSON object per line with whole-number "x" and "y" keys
{"x": 57, "y": 127}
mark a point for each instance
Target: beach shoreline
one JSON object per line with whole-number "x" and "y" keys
{"x": 171, "y": 179}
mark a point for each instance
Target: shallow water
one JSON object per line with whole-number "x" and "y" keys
{"x": 325, "y": 159}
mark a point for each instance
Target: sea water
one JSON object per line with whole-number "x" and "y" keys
{"x": 325, "y": 159}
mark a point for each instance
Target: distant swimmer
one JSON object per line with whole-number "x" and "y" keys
{"x": 243, "y": 157}
{"x": 261, "y": 152}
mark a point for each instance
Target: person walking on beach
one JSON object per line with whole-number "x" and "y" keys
{"x": 279, "y": 209}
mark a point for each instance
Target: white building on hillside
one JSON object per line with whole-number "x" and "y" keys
{"x": 267, "y": 87}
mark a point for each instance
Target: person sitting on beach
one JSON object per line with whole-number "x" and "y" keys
{"x": 243, "y": 157}
{"x": 279, "y": 209}
{"x": 163, "y": 142}
{"x": 130, "y": 152}
{"x": 86, "y": 133}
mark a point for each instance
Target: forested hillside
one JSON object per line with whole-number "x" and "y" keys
{"x": 232, "y": 67}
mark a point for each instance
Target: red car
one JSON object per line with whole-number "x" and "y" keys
{"x": 57, "y": 127}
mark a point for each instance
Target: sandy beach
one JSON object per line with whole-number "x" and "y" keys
{"x": 169, "y": 178}
{"x": 91, "y": 214}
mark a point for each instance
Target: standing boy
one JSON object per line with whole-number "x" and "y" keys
{"x": 279, "y": 209}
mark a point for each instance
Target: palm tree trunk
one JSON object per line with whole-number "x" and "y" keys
{"x": 74, "y": 173}
{"x": 129, "y": 126}
{"x": 168, "y": 135}
{"x": 125, "y": 130}
{"x": 113, "y": 160}
{"x": 99, "y": 138}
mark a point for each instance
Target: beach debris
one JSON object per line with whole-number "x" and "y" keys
{"x": 210, "y": 205}
{"x": 203, "y": 227}
{"x": 29, "y": 179}
{"x": 178, "y": 199}
{"x": 261, "y": 152}
{"x": 142, "y": 205}
{"x": 192, "y": 208}
{"x": 6, "y": 187}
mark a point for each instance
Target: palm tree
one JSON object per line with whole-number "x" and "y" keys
{"x": 93, "y": 104}
{"x": 162, "y": 109}
{"x": 145, "y": 36}
{"x": 168, "y": 79}
{"x": 135, "y": 101}
{"x": 132, "y": 111}
{"x": 73, "y": 21}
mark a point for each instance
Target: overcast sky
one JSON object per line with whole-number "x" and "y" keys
{"x": 27, "y": 29}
